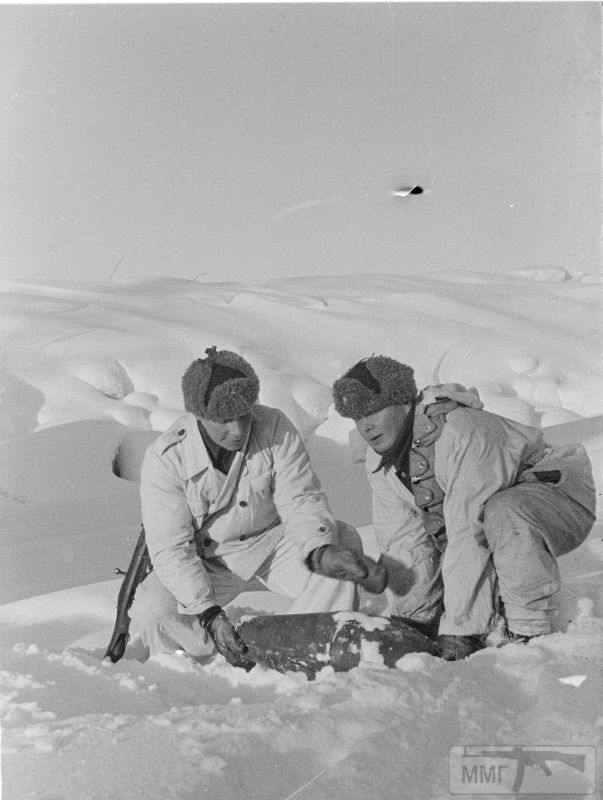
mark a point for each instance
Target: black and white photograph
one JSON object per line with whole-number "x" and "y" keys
{"x": 301, "y": 408}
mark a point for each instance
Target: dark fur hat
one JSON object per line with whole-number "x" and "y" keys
{"x": 373, "y": 384}
{"x": 220, "y": 387}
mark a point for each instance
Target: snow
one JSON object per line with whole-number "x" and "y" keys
{"x": 373, "y": 624}
{"x": 91, "y": 374}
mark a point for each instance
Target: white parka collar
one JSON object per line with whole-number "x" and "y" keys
{"x": 194, "y": 456}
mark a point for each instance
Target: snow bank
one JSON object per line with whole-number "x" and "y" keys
{"x": 92, "y": 374}
{"x": 74, "y": 726}
{"x": 528, "y": 340}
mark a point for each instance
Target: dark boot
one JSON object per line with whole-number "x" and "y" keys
{"x": 455, "y": 648}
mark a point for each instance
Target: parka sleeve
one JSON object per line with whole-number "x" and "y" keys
{"x": 298, "y": 498}
{"x": 168, "y": 525}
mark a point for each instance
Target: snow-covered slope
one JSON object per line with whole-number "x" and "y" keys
{"x": 92, "y": 373}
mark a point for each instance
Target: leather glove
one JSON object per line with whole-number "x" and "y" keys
{"x": 346, "y": 565}
{"x": 228, "y": 642}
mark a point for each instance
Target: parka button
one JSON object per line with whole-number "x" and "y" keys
{"x": 243, "y": 503}
{"x": 181, "y": 432}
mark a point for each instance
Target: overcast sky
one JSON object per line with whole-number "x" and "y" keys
{"x": 249, "y": 141}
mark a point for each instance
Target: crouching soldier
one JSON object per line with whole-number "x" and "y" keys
{"x": 229, "y": 499}
{"x": 470, "y": 509}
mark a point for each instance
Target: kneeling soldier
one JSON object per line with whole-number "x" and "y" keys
{"x": 229, "y": 499}
{"x": 468, "y": 506}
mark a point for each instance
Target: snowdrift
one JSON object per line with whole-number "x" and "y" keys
{"x": 92, "y": 374}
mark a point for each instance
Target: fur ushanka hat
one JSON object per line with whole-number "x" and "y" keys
{"x": 221, "y": 387}
{"x": 373, "y": 384}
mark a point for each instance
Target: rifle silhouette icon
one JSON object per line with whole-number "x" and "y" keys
{"x": 534, "y": 758}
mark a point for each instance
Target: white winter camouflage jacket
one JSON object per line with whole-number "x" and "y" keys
{"x": 191, "y": 511}
{"x": 478, "y": 453}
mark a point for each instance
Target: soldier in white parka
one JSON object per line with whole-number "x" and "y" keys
{"x": 229, "y": 499}
{"x": 471, "y": 510}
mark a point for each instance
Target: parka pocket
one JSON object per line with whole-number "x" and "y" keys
{"x": 260, "y": 486}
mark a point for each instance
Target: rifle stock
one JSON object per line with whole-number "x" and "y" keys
{"x": 140, "y": 566}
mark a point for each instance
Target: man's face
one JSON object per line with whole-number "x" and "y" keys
{"x": 381, "y": 429}
{"x": 230, "y": 435}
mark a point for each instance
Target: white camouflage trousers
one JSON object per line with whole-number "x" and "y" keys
{"x": 525, "y": 529}
{"x": 154, "y": 612}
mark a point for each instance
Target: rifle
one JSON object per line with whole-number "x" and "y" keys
{"x": 536, "y": 758}
{"x": 140, "y": 566}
